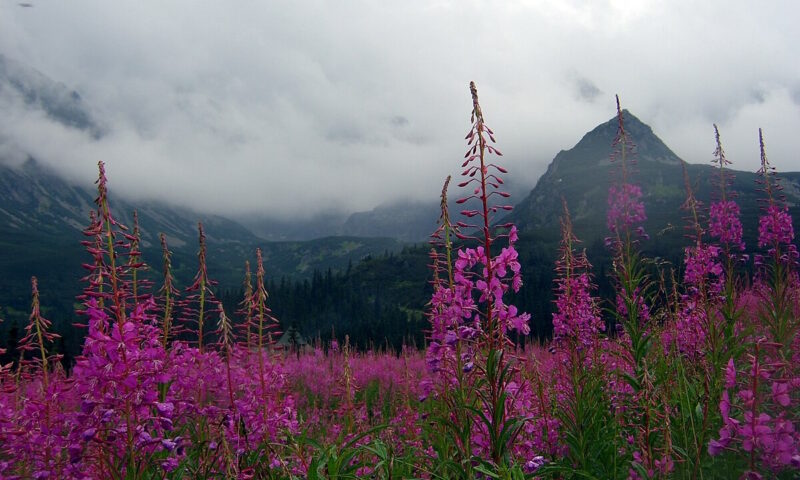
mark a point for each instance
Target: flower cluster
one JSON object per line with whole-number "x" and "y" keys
{"x": 506, "y": 276}
{"x": 577, "y": 317}
{"x": 454, "y": 316}
{"x": 576, "y": 314}
{"x": 703, "y": 281}
{"x": 703, "y": 268}
{"x": 775, "y": 232}
{"x": 625, "y": 208}
{"x": 760, "y": 417}
{"x": 725, "y": 225}
{"x": 117, "y": 380}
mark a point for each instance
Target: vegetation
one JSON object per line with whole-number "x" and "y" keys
{"x": 675, "y": 373}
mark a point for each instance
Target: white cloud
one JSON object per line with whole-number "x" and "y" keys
{"x": 293, "y": 106}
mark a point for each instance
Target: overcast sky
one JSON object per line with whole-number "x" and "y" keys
{"x": 298, "y": 106}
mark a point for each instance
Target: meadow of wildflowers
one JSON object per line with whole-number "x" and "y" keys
{"x": 688, "y": 371}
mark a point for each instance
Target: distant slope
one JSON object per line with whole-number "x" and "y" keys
{"x": 41, "y": 222}
{"x": 55, "y": 99}
{"x": 583, "y": 174}
{"x": 38, "y": 208}
{"x": 36, "y": 201}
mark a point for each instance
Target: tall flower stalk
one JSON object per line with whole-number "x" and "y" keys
{"x": 779, "y": 276}
{"x": 584, "y": 410}
{"x": 626, "y": 213}
{"x": 200, "y": 292}
{"x": 226, "y": 343}
{"x": 109, "y": 233}
{"x": 697, "y": 331}
{"x": 39, "y": 337}
{"x": 107, "y": 278}
{"x": 168, "y": 293}
{"x": 481, "y": 328}
{"x": 95, "y": 278}
{"x": 725, "y": 228}
{"x": 445, "y": 346}
{"x": 576, "y": 321}
{"x": 264, "y": 323}
{"x": 642, "y": 419}
{"x": 135, "y": 263}
{"x": 247, "y": 306}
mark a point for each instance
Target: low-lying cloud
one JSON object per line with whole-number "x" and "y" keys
{"x": 294, "y": 108}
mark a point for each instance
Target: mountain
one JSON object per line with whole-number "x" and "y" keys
{"x": 41, "y": 222}
{"x": 42, "y": 218}
{"x": 37, "y": 201}
{"x": 406, "y": 221}
{"x": 583, "y": 174}
{"x": 363, "y": 286}
{"x": 414, "y": 220}
{"x": 37, "y": 207}
{"x": 326, "y": 224}
{"x": 38, "y": 91}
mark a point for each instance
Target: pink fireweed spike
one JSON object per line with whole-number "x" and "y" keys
{"x": 724, "y": 222}
{"x": 38, "y": 336}
{"x": 469, "y": 338}
{"x": 625, "y": 207}
{"x": 167, "y": 294}
{"x": 200, "y": 292}
{"x": 577, "y": 320}
{"x": 775, "y": 230}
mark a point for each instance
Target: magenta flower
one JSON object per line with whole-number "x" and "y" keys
{"x": 702, "y": 264}
{"x": 730, "y": 374}
{"x": 625, "y": 208}
{"x": 577, "y": 315}
{"x": 775, "y": 227}
{"x": 715, "y": 447}
{"x": 780, "y": 394}
{"x": 725, "y": 225}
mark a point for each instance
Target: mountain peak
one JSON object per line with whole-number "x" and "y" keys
{"x": 582, "y": 174}
{"x": 38, "y": 91}
{"x": 647, "y": 145}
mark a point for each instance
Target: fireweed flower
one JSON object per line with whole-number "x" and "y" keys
{"x": 775, "y": 232}
{"x": 491, "y": 273}
{"x": 576, "y": 313}
{"x": 625, "y": 208}
{"x": 724, "y": 224}
{"x": 577, "y": 317}
{"x": 470, "y": 320}
{"x": 454, "y": 314}
{"x": 702, "y": 263}
{"x": 38, "y": 337}
{"x": 759, "y": 418}
{"x": 624, "y": 217}
{"x": 167, "y": 295}
{"x": 117, "y": 377}
{"x": 506, "y": 276}
{"x": 200, "y": 293}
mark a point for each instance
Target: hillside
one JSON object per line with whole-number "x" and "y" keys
{"x": 353, "y": 283}
{"x": 582, "y": 175}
